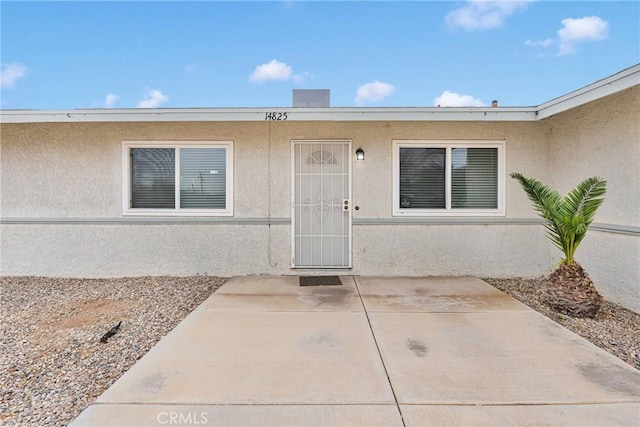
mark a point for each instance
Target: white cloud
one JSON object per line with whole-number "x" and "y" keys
{"x": 373, "y": 92}
{"x": 573, "y": 32}
{"x": 453, "y": 99}
{"x": 540, "y": 43}
{"x": 153, "y": 99}
{"x": 271, "y": 71}
{"x": 11, "y": 73}
{"x": 110, "y": 100}
{"x": 576, "y": 30}
{"x": 484, "y": 14}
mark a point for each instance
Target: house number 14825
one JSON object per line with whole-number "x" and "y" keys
{"x": 273, "y": 116}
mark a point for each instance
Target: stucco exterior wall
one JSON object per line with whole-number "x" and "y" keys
{"x": 75, "y": 170}
{"x": 600, "y": 138}
{"x": 372, "y": 178}
{"x": 64, "y": 180}
{"x": 613, "y": 262}
{"x": 55, "y": 170}
{"x": 603, "y": 138}
{"x": 113, "y": 250}
{"x": 116, "y": 250}
{"x": 477, "y": 250}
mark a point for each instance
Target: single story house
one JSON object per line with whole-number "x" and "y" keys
{"x": 306, "y": 190}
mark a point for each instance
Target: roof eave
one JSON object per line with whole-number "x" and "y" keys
{"x": 265, "y": 114}
{"x": 620, "y": 81}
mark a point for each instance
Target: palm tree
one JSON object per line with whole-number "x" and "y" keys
{"x": 567, "y": 219}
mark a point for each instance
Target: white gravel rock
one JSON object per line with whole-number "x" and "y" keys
{"x": 52, "y": 363}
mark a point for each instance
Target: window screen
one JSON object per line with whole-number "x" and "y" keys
{"x": 474, "y": 178}
{"x": 434, "y": 178}
{"x": 422, "y": 178}
{"x": 202, "y": 174}
{"x": 153, "y": 178}
{"x": 203, "y": 178}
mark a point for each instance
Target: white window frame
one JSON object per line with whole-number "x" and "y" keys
{"x": 449, "y": 145}
{"x": 177, "y": 211}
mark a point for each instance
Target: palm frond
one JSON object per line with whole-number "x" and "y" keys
{"x": 583, "y": 201}
{"x": 568, "y": 218}
{"x": 545, "y": 199}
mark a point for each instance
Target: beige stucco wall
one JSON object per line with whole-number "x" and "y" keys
{"x": 603, "y": 138}
{"x": 600, "y": 138}
{"x": 113, "y": 250}
{"x": 477, "y": 250}
{"x": 613, "y": 262}
{"x": 74, "y": 171}
{"x": 372, "y": 183}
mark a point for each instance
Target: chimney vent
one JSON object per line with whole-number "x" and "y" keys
{"x": 311, "y": 98}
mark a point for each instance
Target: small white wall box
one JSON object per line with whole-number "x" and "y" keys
{"x": 319, "y": 98}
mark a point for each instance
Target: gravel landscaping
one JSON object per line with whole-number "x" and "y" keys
{"x": 53, "y": 365}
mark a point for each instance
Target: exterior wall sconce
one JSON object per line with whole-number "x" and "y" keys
{"x": 360, "y": 154}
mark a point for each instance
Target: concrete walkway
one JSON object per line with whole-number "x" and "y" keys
{"x": 372, "y": 352}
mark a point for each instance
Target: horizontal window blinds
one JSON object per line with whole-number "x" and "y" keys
{"x": 474, "y": 178}
{"x": 153, "y": 178}
{"x": 422, "y": 178}
{"x": 203, "y": 178}
{"x": 448, "y": 177}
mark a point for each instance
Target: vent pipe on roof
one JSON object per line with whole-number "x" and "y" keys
{"x": 313, "y": 98}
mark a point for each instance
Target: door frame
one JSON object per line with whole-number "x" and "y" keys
{"x": 293, "y": 201}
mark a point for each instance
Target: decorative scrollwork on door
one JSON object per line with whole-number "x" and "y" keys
{"x": 321, "y": 205}
{"x": 321, "y": 157}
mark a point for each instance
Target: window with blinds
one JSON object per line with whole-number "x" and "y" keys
{"x": 203, "y": 177}
{"x": 153, "y": 178}
{"x": 474, "y": 178}
{"x": 422, "y": 178}
{"x": 170, "y": 178}
{"x": 448, "y": 178}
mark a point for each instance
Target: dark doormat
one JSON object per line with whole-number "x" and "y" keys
{"x": 320, "y": 280}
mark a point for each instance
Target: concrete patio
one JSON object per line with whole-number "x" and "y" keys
{"x": 376, "y": 351}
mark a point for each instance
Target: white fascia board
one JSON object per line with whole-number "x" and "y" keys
{"x": 620, "y": 81}
{"x": 262, "y": 114}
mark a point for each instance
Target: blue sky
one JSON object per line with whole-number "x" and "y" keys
{"x": 66, "y": 55}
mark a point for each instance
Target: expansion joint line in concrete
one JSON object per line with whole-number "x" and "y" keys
{"x": 384, "y": 366}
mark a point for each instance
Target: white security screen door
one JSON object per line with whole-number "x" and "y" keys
{"x": 321, "y": 202}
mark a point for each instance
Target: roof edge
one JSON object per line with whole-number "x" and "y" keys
{"x": 277, "y": 114}
{"x": 622, "y": 80}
